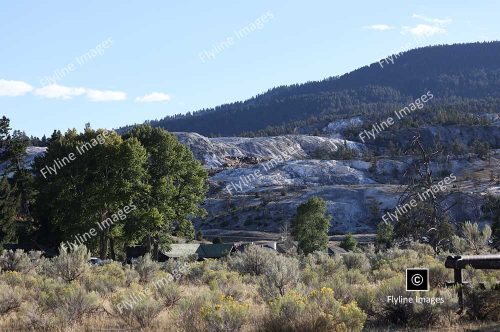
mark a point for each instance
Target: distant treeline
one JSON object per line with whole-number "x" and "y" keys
{"x": 451, "y": 72}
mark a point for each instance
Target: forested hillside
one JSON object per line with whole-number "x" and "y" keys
{"x": 470, "y": 71}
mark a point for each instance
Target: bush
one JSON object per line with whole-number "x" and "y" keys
{"x": 34, "y": 319}
{"x": 10, "y": 299}
{"x": 228, "y": 283}
{"x": 68, "y": 303}
{"x": 225, "y": 315}
{"x": 482, "y": 304}
{"x": 136, "y": 307}
{"x": 324, "y": 265}
{"x": 131, "y": 275}
{"x": 356, "y": 261}
{"x": 19, "y": 261}
{"x": 253, "y": 260}
{"x": 168, "y": 293}
{"x": 349, "y": 243}
{"x": 105, "y": 279}
{"x": 412, "y": 314}
{"x": 70, "y": 264}
{"x": 146, "y": 268}
{"x": 190, "y": 318}
{"x": 438, "y": 276}
{"x": 400, "y": 313}
{"x": 317, "y": 311}
{"x": 281, "y": 275}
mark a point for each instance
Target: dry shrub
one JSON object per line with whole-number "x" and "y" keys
{"x": 199, "y": 270}
{"x": 10, "y": 299}
{"x": 482, "y": 304}
{"x": 439, "y": 275}
{"x": 398, "y": 314}
{"x": 317, "y": 311}
{"x": 19, "y": 261}
{"x": 281, "y": 274}
{"x": 189, "y": 313}
{"x": 414, "y": 314}
{"x": 253, "y": 260}
{"x": 357, "y": 261}
{"x": 70, "y": 264}
{"x": 229, "y": 283}
{"x": 168, "y": 293}
{"x": 68, "y": 303}
{"x": 105, "y": 279}
{"x": 131, "y": 275}
{"x": 136, "y": 307}
{"x": 146, "y": 268}
{"x": 225, "y": 314}
{"x": 35, "y": 319}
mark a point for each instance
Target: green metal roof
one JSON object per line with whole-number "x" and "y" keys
{"x": 203, "y": 250}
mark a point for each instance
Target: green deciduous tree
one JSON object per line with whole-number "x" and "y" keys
{"x": 185, "y": 229}
{"x": 106, "y": 174}
{"x": 147, "y": 168}
{"x": 311, "y": 225}
{"x": 177, "y": 183}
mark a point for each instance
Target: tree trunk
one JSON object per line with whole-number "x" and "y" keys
{"x": 155, "y": 251}
{"x": 112, "y": 248}
{"x": 103, "y": 245}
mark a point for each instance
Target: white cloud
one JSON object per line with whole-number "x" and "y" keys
{"x": 59, "y": 91}
{"x": 379, "y": 27}
{"x": 65, "y": 92}
{"x": 14, "y": 88}
{"x": 105, "y": 95}
{"x": 433, "y": 26}
{"x": 438, "y": 21}
{"x": 153, "y": 97}
{"x": 424, "y": 30}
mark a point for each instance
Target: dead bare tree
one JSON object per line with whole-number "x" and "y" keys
{"x": 426, "y": 217}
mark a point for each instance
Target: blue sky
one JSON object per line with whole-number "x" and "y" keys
{"x": 112, "y": 63}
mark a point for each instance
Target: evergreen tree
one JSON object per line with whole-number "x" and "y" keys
{"x": 311, "y": 225}
{"x": 385, "y": 234}
{"x": 349, "y": 243}
{"x": 13, "y": 153}
{"x": 8, "y": 211}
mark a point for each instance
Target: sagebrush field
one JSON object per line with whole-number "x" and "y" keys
{"x": 257, "y": 290}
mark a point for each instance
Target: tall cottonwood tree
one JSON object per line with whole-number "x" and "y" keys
{"x": 178, "y": 187}
{"x": 148, "y": 167}
{"x": 91, "y": 188}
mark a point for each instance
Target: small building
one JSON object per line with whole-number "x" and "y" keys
{"x": 336, "y": 251}
{"x": 201, "y": 250}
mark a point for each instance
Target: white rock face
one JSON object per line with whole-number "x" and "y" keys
{"x": 216, "y": 152}
{"x": 31, "y": 153}
{"x": 334, "y": 128}
{"x": 257, "y": 183}
{"x": 291, "y": 173}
